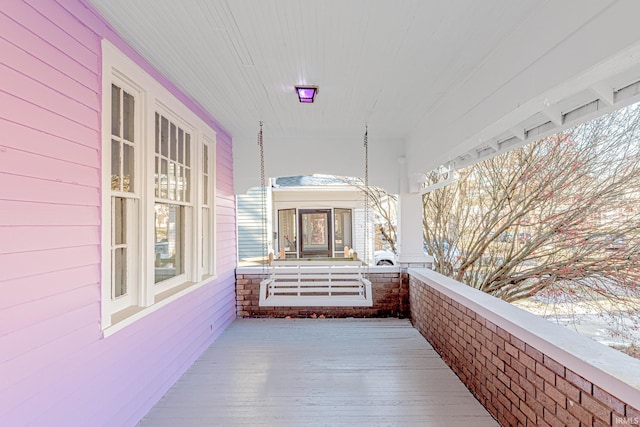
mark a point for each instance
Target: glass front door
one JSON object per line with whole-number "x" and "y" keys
{"x": 315, "y": 230}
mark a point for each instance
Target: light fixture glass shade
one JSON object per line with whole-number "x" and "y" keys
{"x": 306, "y": 94}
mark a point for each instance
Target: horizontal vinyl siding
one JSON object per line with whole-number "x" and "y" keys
{"x": 56, "y": 368}
{"x": 250, "y": 224}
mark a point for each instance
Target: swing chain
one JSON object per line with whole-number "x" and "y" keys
{"x": 263, "y": 190}
{"x": 367, "y": 197}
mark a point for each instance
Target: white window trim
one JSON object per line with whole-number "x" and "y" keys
{"x": 152, "y": 96}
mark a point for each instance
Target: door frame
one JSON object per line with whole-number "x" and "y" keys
{"x": 329, "y": 218}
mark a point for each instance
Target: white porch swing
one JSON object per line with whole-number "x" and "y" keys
{"x": 311, "y": 283}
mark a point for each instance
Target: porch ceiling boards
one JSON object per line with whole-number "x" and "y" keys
{"x": 435, "y": 80}
{"x": 319, "y": 372}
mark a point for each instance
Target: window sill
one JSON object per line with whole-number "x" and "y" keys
{"x": 130, "y": 315}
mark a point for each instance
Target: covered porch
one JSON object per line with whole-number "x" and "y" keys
{"x": 459, "y": 357}
{"x": 348, "y": 372}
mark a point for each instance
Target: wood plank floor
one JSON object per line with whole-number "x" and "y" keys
{"x": 319, "y": 372}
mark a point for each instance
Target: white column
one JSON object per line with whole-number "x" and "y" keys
{"x": 410, "y": 246}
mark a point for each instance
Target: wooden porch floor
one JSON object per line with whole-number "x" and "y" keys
{"x": 329, "y": 372}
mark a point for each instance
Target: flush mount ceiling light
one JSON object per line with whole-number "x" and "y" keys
{"x": 306, "y": 94}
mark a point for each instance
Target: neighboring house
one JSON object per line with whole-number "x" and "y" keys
{"x": 96, "y": 147}
{"x": 313, "y": 216}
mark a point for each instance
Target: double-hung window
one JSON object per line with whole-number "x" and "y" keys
{"x": 124, "y": 200}
{"x": 172, "y": 206}
{"x": 158, "y": 195}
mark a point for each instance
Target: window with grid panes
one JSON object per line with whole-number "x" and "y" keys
{"x": 172, "y": 197}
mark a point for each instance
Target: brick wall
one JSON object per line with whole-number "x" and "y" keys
{"x": 517, "y": 383}
{"x": 390, "y": 291}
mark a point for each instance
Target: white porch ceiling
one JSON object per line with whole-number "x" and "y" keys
{"x": 436, "y": 81}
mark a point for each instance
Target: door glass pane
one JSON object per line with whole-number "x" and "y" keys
{"x": 315, "y": 230}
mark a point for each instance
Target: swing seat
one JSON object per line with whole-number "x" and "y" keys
{"x": 307, "y": 284}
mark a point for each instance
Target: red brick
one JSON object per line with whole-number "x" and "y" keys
{"x": 612, "y": 402}
{"x": 578, "y": 381}
{"x": 528, "y": 387}
{"x": 537, "y": 380}
{"x": 490, "y": 326}
{"x": 535, "y": 354}
{"x": 566, "y": 418}
{"x": 520, "y": 417}
{"x": 520, "y": 368}
{"x": 547, "y": 402}
{"x": 555, "y": 394}
{"x": 595, "y": 407}
{"x": 511, "y": 350}
{"x": 599, "y": 423}
{"x": 540, "y": 423}
{"x": 509, "y": 417}
{"x": 503, "y": 378}
{"x": 571, "y": 391}
{"x": 580, "y": 413}
{"x": 504, "y": 400}
{"x": 528, "y": 412}
{"x": 546, "y": 373}
{"x": 517, "y": 390}
{"x": 527, "y": 361}
{"x": 535, "y": 405}
{"x": 632, "y": 412}
{"x": 553, "y": 365}
{"x": 499, "y": 363}
{"x": 550, "y": 418}
{"x": 503, "y": 334}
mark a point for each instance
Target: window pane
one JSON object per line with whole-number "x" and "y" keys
{"x": 205, "y": 159}
{"x": 205, "y": 240}
{"x": 164, "y": 179}
{"x": 172, "y": 181}
{"x": 173, "y": 152}
{"x": 115, "y": 110}
{"x": 156, "y": 163}
{"x": 119, "y": 221}
{"x": 128, "y": 119}
{"x": 169, "y": 244}
{"x": 180, "y": 146}
{"x": 115, "y": 165}
{"x": 119, "y": 279}
{"x": 164, "y": 137}
{"x": 342, "y": 227}
{"x": 205, "y": 188}
{"x": 187, "y": 149}
{"x": 287, "y": 229}
{"x": 180, "y": 183}
{"x": 187, "y": 186}
{"x": 127, "y": 168}
{"x": 157, "y": 133}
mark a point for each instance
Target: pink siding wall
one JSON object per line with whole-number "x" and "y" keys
{"x": 55, "y": 367}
